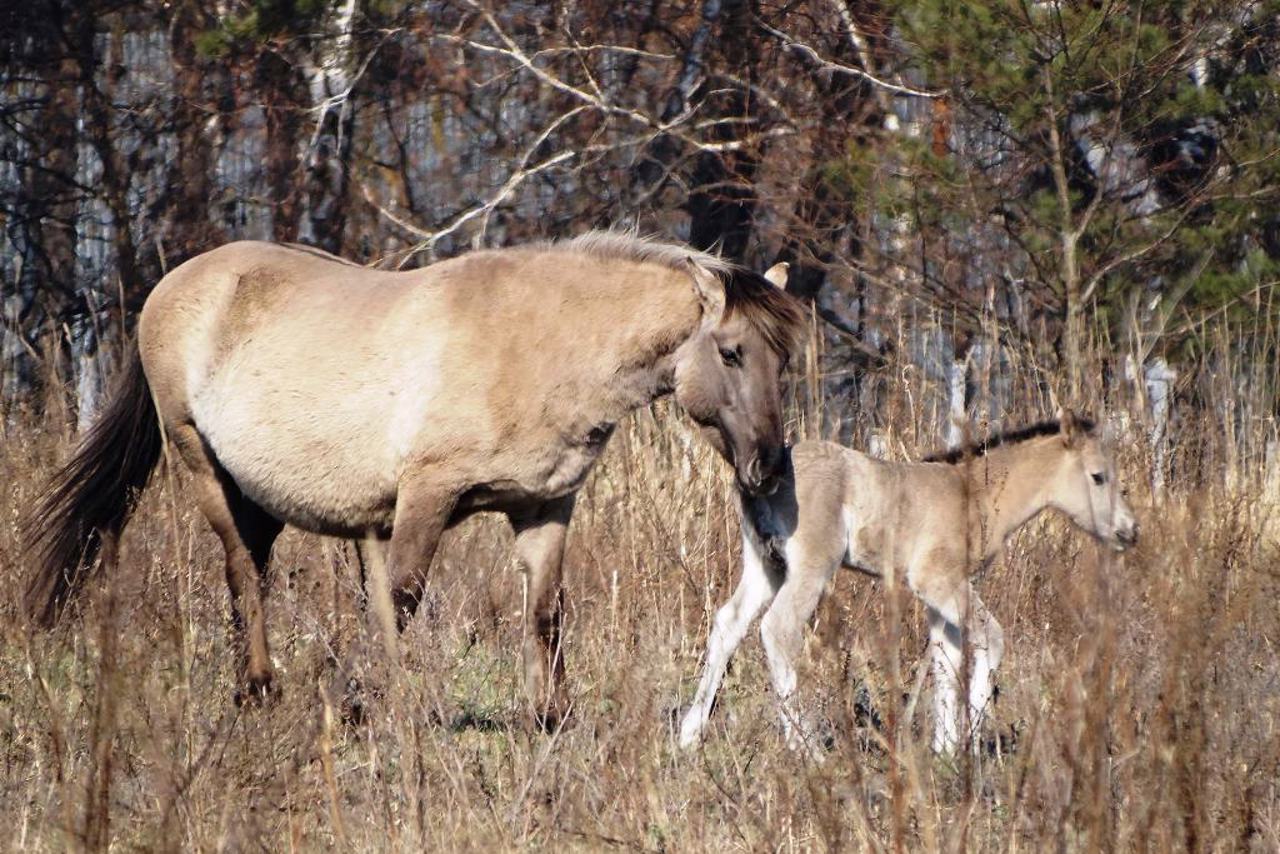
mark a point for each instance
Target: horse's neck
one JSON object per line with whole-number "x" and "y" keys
{"x": 1010, "y": 485}
{"x": 642, "y": 358}
{"x": 640, "y": 385}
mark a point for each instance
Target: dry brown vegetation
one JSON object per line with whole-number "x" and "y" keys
{"x": 1138, "y": 702}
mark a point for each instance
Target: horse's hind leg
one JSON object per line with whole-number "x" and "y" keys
{"x": 247, "y": 533}
{"x": 540, "y": 536}
{"x": 755, "y": 588}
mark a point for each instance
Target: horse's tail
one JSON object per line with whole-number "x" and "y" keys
{"x": 89, "y": 499}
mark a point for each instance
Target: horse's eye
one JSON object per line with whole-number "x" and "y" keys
{"x": 731, "y": 356}
{"x": 1099, "y": 478}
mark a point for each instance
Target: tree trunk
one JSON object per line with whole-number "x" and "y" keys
{"x": 115, "y": 180}
{"x": 191, "y": 229}
{"x": 276, "y": 77}
{"x": 721, "y": 206}
{"x": 331, "y": 80}
{"x": 1069, "y": 239}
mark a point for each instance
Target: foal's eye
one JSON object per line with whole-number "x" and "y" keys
{"x": 1099, "y": 478}
{"x": 731, "y": 356}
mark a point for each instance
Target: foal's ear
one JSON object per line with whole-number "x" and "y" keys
{"x": 1068, "y": 427}
{"x": 777, "y": 275}
{"x": 709, "y": 290}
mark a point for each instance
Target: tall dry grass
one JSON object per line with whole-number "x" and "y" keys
{"x": 1137, "y": 709}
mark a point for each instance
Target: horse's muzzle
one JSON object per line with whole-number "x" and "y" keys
{"x": 762, "y": 473}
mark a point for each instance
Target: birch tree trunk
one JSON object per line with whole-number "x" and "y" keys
{"x": 331, "y": 79}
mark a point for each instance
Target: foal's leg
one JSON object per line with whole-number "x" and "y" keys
{"x": 986, "y": 643}
{"x": 540, "y": 536}
{"x": 946, "y": 654}
{"x": 782, "y": 631}
{"x": 986, "y": 639}
{"x": 755, "y": 588}
{"x": 247, "y": 533}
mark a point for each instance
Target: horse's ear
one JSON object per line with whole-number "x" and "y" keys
{"x": 777, "y": 275}
{"x": 1068, "y": 427}
{"x": 709, "y": 290}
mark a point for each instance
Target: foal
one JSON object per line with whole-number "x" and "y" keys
{"x": 931, "y": 523}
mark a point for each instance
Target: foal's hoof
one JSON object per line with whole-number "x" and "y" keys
{"x": 550, "y": 719}
{"x": 259, "y": 690}
{"x": 690, "y": 730}
{"x": 353, "y": 705}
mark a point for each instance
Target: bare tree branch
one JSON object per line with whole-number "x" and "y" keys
{"x": 840, "y": 68}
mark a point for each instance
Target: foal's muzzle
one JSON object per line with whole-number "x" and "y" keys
{"x": 1126, "y": 537}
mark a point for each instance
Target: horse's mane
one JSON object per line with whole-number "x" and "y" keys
{"x": 631, "y": 246}
{"x": 1052, "y": 427}
{"x": 769, "y": 309}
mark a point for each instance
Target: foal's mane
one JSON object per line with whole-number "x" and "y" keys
{"x": 1052, "y": 427}
{"x": 769, "y": 309}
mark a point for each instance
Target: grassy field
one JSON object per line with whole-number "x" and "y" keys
{"x": 1138, "y": 706}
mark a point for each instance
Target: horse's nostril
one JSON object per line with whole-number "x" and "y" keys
{"x": 770, "y": 460}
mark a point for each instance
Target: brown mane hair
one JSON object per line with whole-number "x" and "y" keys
{"x": 1052, "y": 427}
{"x": 777, "y": 315}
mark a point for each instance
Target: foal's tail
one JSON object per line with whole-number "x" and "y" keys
{"x": 89, "y": 499}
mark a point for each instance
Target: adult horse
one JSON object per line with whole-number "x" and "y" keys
{"x": 388, "y": 406}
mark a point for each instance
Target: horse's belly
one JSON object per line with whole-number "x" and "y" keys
{"x": 304, "y": 470}
{"x": 334, "y": 501}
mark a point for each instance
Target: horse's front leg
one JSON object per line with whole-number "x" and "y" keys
{"x": 947, "y": 612}
{"x": 422, "y": 513}
{"x": 540, "y": 535}
{"x": 375, "y": 590}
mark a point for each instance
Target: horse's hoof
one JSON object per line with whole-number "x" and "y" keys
{"x": 353, "y": 706}
{"x": 259, "y": 690}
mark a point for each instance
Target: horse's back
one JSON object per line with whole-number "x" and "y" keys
{"x": 287, "y": 308}
{"x": 320, "y": 385}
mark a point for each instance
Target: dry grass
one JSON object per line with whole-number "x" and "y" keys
{"x": 1138, "y": 702}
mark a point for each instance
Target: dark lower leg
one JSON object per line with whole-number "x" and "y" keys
{"x": 540, "y": 538}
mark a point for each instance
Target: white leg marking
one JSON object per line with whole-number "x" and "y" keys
{"x": 782, "y": 631}
{"x": 732, "y": 621}
{"x": 986, "y": 639}
{"x": 946, "y": 656}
